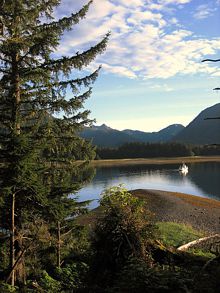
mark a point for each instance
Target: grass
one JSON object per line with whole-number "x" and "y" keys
{"x": 176, "y": 234}
{"x": 202, "y": 253}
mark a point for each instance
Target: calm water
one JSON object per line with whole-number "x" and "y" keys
{"x": 203, "y": 179}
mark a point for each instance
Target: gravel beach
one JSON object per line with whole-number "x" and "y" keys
{"x": 201, "y": 213}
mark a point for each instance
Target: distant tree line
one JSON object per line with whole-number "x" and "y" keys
{"x": 152, "y": 150}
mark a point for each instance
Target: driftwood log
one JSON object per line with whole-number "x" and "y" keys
{"x": 210, "y": 243}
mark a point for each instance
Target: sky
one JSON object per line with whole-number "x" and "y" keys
{"x": 152, "y": 75}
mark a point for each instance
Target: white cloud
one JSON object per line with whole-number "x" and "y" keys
{"x": 173, "y": 20}
{"x": 161, "y": 87}
{"x": 155, "y": 6}
{"x": 141, "y": 46}
{"x": 203, "y": 11}
{"x": 131, "y": 3}
{"x": 120, "y": 70}
{"x": 166, "y": 2}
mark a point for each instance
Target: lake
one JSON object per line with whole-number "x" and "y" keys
{"x": 203, "y": 179}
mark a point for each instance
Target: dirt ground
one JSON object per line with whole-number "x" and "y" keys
{"x": 201, "y": 213}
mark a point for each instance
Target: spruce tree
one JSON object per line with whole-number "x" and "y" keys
{"x": 33, "y": 86}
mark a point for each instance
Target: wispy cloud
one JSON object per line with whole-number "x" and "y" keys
{"x": 146, "y": 41}
{"x": 166, "y": 2}
{"x": 203, "y": 11}
{"x": 161, "y": 87}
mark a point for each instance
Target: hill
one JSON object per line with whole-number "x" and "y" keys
{"x": 104, "y": 136}
{"x": 202, "y": 130}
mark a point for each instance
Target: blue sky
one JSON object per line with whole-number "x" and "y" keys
{"x": 152, "y": 75}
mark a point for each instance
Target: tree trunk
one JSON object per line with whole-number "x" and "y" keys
{"x": 16, "y": 119}
{"x": 17, "y": 94}
{"x": 15, "y": 264}
{"x": 20, "y": 276}
{"x": 12, "y": 240}
{"x": 58, "y": 245}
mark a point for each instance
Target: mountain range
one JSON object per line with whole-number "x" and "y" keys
{"x": 202, "y": 130}
{"x": 104, "y": 136}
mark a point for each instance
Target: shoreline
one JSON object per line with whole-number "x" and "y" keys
{"x": 154, "y": 161}
{"x": 199, "y": 212}
{"x": 203, "y": 214}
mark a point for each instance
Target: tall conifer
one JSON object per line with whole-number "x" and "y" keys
{"x": 33, "y": 88}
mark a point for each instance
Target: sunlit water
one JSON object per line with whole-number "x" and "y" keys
{"x": 203, "y": 179}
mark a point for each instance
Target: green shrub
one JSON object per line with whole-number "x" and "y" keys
{"x": 49, "y": 284}
{"x": 124, "y": 230}
{"x": 6, "y": 288}
{"x": 71, "y": 276}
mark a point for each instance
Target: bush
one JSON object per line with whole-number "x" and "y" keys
{"x": 124, "y": 230}
{"x": 49, "y": 284}
{"x": 72, "y": 276}
{"x": 6, "y": 288}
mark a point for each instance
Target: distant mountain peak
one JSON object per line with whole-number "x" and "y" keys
{"x": 105, "y": 136}
{"x": 103, "y": 126}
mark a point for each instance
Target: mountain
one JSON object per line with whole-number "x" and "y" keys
{"x": 200, "y": 130}
{"x": 163, "y": 135}
{"x": 104, "y": 136}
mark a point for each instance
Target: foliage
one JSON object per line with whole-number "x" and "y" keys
{"x": 117, "y": 267}
{"x": 72, "y": 276}
{"x": 4, "y": 255}
{"x": 6, "y": 288}
{"x": 49, "y": 284}
{"x": 136, "y": 276}
{"x": 177, "y": 234}
{"x": 124, "y": 230}
{"x": 42, "y": 158}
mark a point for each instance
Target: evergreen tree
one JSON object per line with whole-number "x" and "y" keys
{"x": 33, "y": 88}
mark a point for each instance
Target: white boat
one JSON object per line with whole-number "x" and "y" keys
{"x": 183, "y": 169}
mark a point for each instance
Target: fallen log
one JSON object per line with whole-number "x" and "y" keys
{"x": 210, "y": 243}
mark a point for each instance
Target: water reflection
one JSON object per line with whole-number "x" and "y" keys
{"x": 207, "y": 177}
{"x": 203, "y": 179}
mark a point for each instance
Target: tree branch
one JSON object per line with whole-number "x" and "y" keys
{"x": 211, "y": 60}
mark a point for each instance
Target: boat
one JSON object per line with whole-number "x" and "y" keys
{"x": 183, "y": 168}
